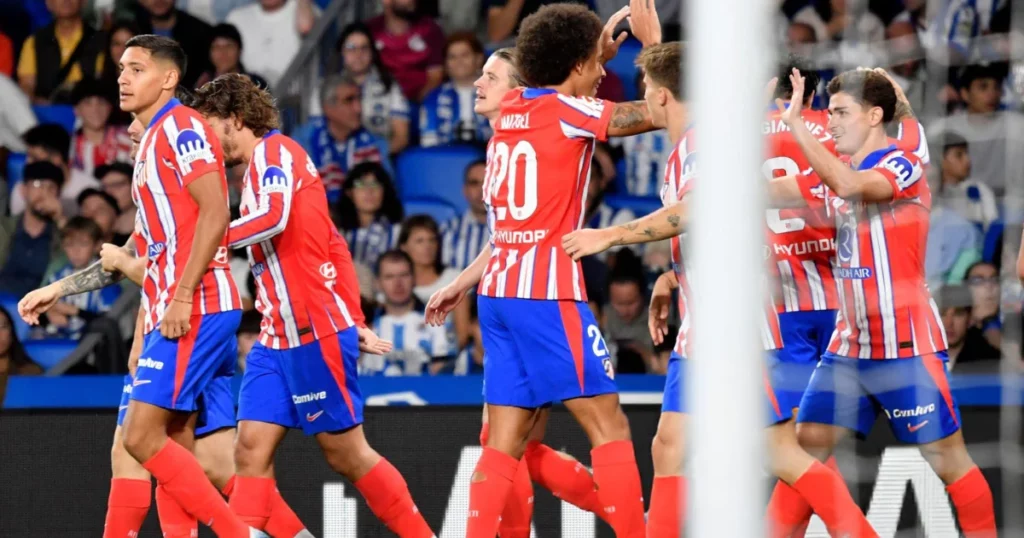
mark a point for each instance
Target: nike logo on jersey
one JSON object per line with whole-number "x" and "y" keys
{"x": 914, "y": 428}
{"x": 314, "y": 416}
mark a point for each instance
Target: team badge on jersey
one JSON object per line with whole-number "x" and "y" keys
{"x": 191, "y": 147}
{"x": 139, "y": 175}
{"x": 844, "y": 242}
{"x": 274, "y": 180}
{"x": 689, "y": 170}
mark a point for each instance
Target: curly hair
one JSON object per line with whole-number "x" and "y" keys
{"x": 784, "y": 89}
{"x": 554, "y": 40}
{"x": 867, "y": 88}
{"x": 236, "y": 95}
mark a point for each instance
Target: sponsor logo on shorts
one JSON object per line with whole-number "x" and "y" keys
{"x": 150, "y": 363}
{"x": 311, "y": 397}
{"x": 122, "y": 407}
{"x": 127, "y": 389}
{"x": 913, "y": 428}
{"x": 313, "y": 416}
{"x": 918, "y": 411}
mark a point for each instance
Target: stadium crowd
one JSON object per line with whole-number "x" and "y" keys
{"x": 406, "y": 80}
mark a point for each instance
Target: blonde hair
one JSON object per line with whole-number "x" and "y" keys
{"x": 508, "y": 55}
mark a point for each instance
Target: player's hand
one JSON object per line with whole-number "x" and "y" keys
{"x": 441, "y": 303}
{"x": 586, "y": 242}
{"x": 661, "y": 304}
{"x": 769, "y": 89}
{"x": 900, "y": 96}
{"x": 610, "y": 43}
{"x": 370, "y": 343}
{"x": 791, "y": 115}
{"x": 176, "y": 319}
{"x": 112, "y": 257}
{"x": 644, "y": 23}
{"x": 37, "y": 302}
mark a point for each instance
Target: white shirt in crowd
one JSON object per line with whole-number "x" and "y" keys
{"x": 16, "y": 115}
{"x": 270, "y": 39}
{"x": 982, "y": 208}
{"x": 994, "y": 142}
{"x": 415, "y": 344}
{"x": 423, "y": 293}
{"x": 73, "y": 186}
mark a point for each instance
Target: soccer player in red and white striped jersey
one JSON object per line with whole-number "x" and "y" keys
{"x": 816, "y": 483}
{"x": 303, "y": 371}
{"x": 889, "y": 337}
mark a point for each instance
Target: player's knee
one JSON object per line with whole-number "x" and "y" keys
{"x": 606, "y": 426}
{"x": 251, "y": 455}
{"x": 667, "y": 452}
{"x": 949, "y": 459}
{"x": 349, "y": 454}
{"x": 816, "y": 440}
{"x": 140, "y": 444}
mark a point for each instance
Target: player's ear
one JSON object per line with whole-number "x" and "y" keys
{"x": 171, "y": 79}
{"x": 875, "y": 115}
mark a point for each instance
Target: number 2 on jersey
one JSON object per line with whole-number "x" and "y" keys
{"x": 506, "y": 163}
{"x": 776, "y": 223}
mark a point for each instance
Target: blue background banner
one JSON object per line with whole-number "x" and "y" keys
{"x": 104, "y": 391}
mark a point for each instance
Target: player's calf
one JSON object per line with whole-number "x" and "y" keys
{"x": 215, "y": 453}
{"x": 601, "y": 418}
{"x": 967, "y": 487}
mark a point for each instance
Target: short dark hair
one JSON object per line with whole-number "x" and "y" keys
{"x": 422, "y": 222}
{"x": 161, "y": 47}
{"x": 784, "y": 89}
{"x": 472, "y": 165}
{"x": 90, "y": 192}
{"x": 509, "y": 56}
{"x": 237, "y": 95}
{"x": 953, "y": 140}
{"x": 250, "y": 322}
{"x": 44, "y": 170}
{"x": 83, "y": 225}
{"x": 663, "y": 63}
{"x": 393, "y": 255}
{"x": 466, "y": 37}
{"x": 227, "y": 31}
{"x": 867, "y": 88}
{"x": 554, "y": 40}
{"x": 958, "y": 297}
{"x": 118, "y": 167}
{"x": 52, "y": 137}
{"x": 972, "y": 73}
{"x": 90, "y": 87}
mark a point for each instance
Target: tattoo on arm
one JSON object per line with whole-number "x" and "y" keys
{"x": 92, "y": 277}
{"x": 903, "y": 110}
{"x": 629, "y": 115}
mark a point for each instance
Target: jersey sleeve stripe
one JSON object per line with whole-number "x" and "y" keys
{"x": 592, "y": 109}
{"x": 571, "y": 131}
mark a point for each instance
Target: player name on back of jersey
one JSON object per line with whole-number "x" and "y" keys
{"x": 515, "y": 121}
{"x": 776, "y": 125}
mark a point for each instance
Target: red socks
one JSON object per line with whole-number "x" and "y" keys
{"x": 515, "y": 518}
{"x": 488, "y": 492}
{"x": 827, "y": 494}
{"x": 618, "y": 488}
{"x": 127, "y": 507}
{"x": 665, "y": 518}
{"x": 789, "y": 514}
{"x": 178, "y": 472}
{"x": 251, "y": 500}
{"x": 175, "y": 522}
{"x": 972, "y": 498}
{"x": 282, "y": 521}
{"x": 388, "y": 496}
{"x": 566, "y": 479}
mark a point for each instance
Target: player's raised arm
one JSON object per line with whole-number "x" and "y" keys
{"x": 93, "y": 277}
{"x": 866, "y": 186}
{"x": 664, "y": 223}
{"x": 630, "y": 119}
{"x": 644, "y": 23}
{"x": 275, "y": 192}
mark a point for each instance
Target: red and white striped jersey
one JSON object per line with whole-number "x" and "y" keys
{"x": 538, "y": 171}
{"x": 886, "y": 310}
{"x": 175, "y": 150}
{"x": 292, "y": 246}
{"x": 680, "y": 173}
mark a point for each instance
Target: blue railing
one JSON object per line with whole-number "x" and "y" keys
{"x": 104, "y": 391}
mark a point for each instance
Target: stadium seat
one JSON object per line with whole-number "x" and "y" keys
{"x": 639, "y": 205}
{"x": 993, "y": 241}
{"x": 48, "y": 353}
{"x": 623, "y": 65}
{"x": 9, "y": 302}
{"x": 64, "y": 115}
{"x": 435, "y": 173}
{"x": 439, "y": 210}
{"x": 15, "y": 169}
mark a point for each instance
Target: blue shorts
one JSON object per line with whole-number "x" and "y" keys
{"x": 913, "y": 392}
{"x": 216, "y": 405}
{"x": 172, "y": 374}
{"x": 539, "y": 352}
{"x": 673, "y": 400}
{"x": 806, "y": 334}
{"x": 314, "y": 386}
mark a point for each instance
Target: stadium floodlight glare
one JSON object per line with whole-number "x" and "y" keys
{"x": 726, "y": 66}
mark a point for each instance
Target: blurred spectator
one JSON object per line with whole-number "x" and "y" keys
{"x": 242, "y": 274}
{"x": 612, "y": 88}
{"x": 226, "y": 56}
{"x": 50, "y": 142}
{"x": 59, "y": 54}
{"x": 471, "y": 360}
{"x": 646, "y": 155}
{"x": 16, "y": 116}
{"x": 625, "y": 319}
{"x": 420, "y": 238}
{"x": 959, "y": 23}
{"x": 466, "y": 236}
{"x": 338, "y": 142}
{"x": 369, "y": 213}
{"x": 81, "y": 239}
{"x": 385, "y": 109}
{"x": 954, "y": 243}
{"x": 853, "y": 22}
{"x": 13, "y": 359}
{"x": 983, "y": 280}
{"x": 116, "y": 180}
{"x": 599, "y": 214}
{"x": 419, "y": 348}
{"x": 6, "y": 56}
{"x": 447, "y": 115}
{"x": 972, "y": 199}
{"x": 96, "y": 142}
{"x": 505, "y": 16}
{"x": 161, "y": 17}
{"x": 117, "y": 36}
{"x": 411, "y": 47}
{"x": 273, "y": 32}
{"x": 967, "y": 343}
{"x": 101, "y": 208}
{"x": 248, "y": 335}
{"x": 994, "y": 136}
{"x": 30, "y": 241}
